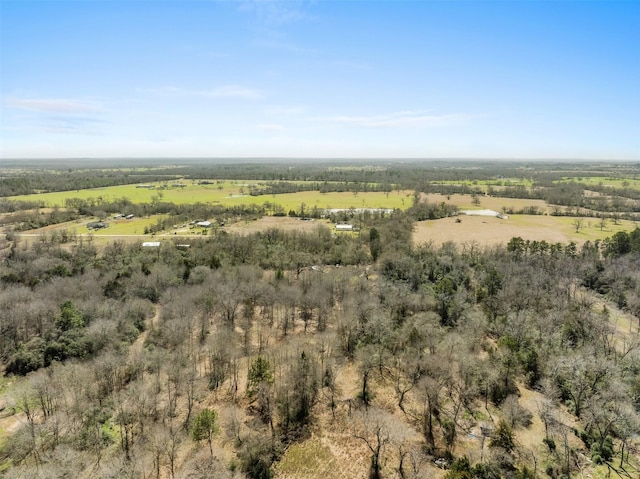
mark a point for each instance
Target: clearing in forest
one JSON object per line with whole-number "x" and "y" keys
{"x": 490, "y": 231}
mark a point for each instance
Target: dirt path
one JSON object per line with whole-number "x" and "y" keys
{"x": 10, "y": 420}
{"x": 138, "y": 344}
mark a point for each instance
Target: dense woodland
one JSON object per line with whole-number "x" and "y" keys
{"x": 243, "y": 325}
{"x": 220, "y": 356}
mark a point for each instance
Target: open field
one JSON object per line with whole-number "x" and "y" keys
{"x": 489, "y": 231}
{"x": 496, "y": 182}
{"x": 465, "y": 202}
{"x": 484, "y": 230}
{"x": 132, "y": 230}
{"x": 281, "y": 222}
{"x": 120, "y": 227}
{"x": 226, "y": 193}
{"x": 613, "y": 182}
{"x": 128, "y": 227}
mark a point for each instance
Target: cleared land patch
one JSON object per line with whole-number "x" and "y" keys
{"x": 490, "y": 231}
{"x": 225, "y": 193}
{"x": 492, "y": 202}
{"x": 281, "y": 222}
{"x": 613, "y": 182}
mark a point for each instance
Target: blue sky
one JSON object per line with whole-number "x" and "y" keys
{"x": 266, "y": 78}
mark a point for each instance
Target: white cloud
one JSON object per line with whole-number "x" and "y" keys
{"x": 282, "y": 46}
{"x": 225, "y": 91}
{"x": 399, "y": 119}
{"x": 276, "y": 12}
{"x": 51, "y": 105}
{"x": 233, "y": 91}
{"x": 73, "y": 125}
{"x": 55, "y": 115}
{"x": 270, "y": 127}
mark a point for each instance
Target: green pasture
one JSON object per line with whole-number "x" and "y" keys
{"x": 134, "y": 226}
{"x": 226, "y": 193}
{"x": 313, "y": 199}
{"x": 613, "y": 182}
{"x": 496, "y": 203}
{"x": 120, "y": 227}
{"x": 591, "y": 228}
{"x": 495, "y": 183}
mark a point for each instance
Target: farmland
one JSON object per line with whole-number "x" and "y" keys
{"x": 251, "y": 337}
{"x": 489, "y": 231}
{"x": 486, "y": 231}
{"x": 222, "y": 192}
{"x": 632, "y": 182}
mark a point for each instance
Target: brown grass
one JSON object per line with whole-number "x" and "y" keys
{"x": 490, "y": 202}
{"x": 488, "y": 231}
{"x": 282, "y": 222}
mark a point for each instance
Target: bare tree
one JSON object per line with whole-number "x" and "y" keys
{"x": 373, "y": 427}
{"x": 578, "y": 224}
{"x": 603, "y": 222}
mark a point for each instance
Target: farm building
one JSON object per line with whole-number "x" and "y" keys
{"x": 204, "y": 224}
{"x": 344, "y": 227}
{"x": 151, "y": 244}
{"x": 495, "y": 214}
{"x": 331, "y": 211}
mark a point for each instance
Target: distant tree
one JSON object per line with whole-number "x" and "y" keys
{"x": 305, "y": 388}
{"x": 615, "y": 217}
{"x": 503, "y": 437}
{"x": 205, "y": 425}
{"x": 257, "y": 456}
{"x": 261, "y": 371}
{"x": 368, "y": 363}
{"x": 580, "y": 377}
{"x": 260, "y": 384}
{"x": 373, "y": 427}
{"x": 375, "y": 244}
{"x": 618, "y": 245}
{"x": 603, "y": 222}
{"x": 70, "y": 317}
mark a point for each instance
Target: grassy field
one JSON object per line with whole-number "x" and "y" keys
{"x": 496, "y": 182}
{"x": 486, "y": 231}
{"x": 134, "y": 226}
{"x": 226, "y": 193}
{"x": 122, "y": 229}
{"x": 483, "y": 230}
{"x": 496, "y": 203}
{"x": 614, "y": 182}
{"x": 489, "y": 231}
